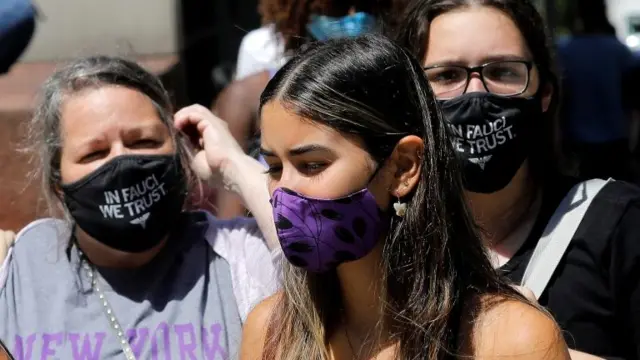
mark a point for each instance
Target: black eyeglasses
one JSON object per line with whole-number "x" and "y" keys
{"x": 505, "y": 78}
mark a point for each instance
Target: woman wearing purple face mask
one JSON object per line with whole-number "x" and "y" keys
{"x": 383, "y": 259}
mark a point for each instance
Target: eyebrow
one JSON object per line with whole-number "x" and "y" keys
{"x": 89, "y": 143}
{"x": 300, "y": 150}
{"x": 137, "y": 130}
{"x": 485, "y": 60}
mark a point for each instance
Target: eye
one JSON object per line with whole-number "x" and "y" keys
{"x": 94, "y": 155}
{"x": 445, "y": 75}
{"x": 448, "y": 76}
{"x": 504, "y": 72}
{"x": 273, "y": 169}
{"x": 507, "y": 72}
{"x": 312, "y": 168}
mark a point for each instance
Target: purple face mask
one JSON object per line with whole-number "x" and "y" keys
{"x": 320, "y": 234}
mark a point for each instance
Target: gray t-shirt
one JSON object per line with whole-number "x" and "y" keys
{"x": 179, "y": 306}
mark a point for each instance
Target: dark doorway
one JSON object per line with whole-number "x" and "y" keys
{"x": 210, "y": 35}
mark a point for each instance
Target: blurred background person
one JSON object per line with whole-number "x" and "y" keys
{"x": 288, "y": 23}
{"x": 17, "y": 25}
{"x": 632, "y": 99}
{"x": 263, "y": 48}
{"x": 596, "y": 119}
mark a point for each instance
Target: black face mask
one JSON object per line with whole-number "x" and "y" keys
{"x": 129, "y": 203}
{"x": 492, "y": 136}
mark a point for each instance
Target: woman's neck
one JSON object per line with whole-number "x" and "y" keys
{"x": 501, "y": 213}
{"x": 103, "y": 256}
{"x": 361, "y": 285}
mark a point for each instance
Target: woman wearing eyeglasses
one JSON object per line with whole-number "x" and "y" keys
{"x": 577, "y": 245}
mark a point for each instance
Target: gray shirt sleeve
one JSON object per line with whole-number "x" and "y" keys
{"x": 255, "y": 271}
{"x": 4, "y": 268}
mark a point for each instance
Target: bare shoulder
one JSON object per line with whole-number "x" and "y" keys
{"x": 254, "y": 332}
{"x": 512, "y": 329}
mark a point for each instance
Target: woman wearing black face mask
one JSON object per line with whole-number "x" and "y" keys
{"x": 489, "y": 64}
{"x": 130, "y": 273}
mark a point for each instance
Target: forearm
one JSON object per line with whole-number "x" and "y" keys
{"x": 245, "y": 176}
{"x": 229, "y": 205}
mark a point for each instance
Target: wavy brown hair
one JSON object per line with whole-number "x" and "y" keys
{"x": 290, "y": 17}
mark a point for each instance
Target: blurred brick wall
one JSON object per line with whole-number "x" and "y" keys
{"x": 19, "y": 199}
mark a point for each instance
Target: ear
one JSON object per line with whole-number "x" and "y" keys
{"x": 56, "y": 187}
{"x": 547, "y": 95}
{"x": 57, "y": 190}
{"x": 406, "y": 160}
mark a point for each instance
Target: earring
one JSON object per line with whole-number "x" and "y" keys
{"x": 400, "y": 208}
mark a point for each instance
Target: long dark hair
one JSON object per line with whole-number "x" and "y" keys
{"x": 413, "y": 33}
{"x": 433, "y": 259}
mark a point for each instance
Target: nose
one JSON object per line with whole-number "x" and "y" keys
{"x": 118, "y": 149}
{"x": 475, "y": 84}
{"x": 289, "y": 179}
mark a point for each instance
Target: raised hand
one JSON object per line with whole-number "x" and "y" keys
{"x": 219, "y": 157}
{"x": 215, "y": 147}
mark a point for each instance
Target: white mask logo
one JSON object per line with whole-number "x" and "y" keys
{"x": 481, "y": 161}
{"x": 142, "y": 220}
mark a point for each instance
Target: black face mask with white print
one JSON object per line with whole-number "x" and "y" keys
{"x": 492, "y": 135}
{"x": 129, "y": 203}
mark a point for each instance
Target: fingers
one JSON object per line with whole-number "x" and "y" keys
{"x": 201, "y": 167}
{"x": 191, "y": 122}
{"x": 199, "y": 116}
{"x": 190, "y": 118}
{"x": 211, "y": 138}
{"x": 198, "y": 123}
